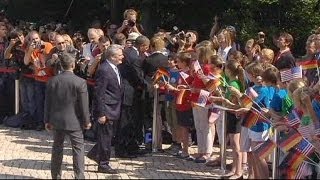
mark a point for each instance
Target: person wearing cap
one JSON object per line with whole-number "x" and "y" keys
{"x": 131, "y": 39}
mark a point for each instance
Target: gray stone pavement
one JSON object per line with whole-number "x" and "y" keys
{"x": 26, "y": 154}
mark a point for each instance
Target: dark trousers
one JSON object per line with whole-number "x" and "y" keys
{"x": 27, "y": 93}
{"x": 7, "y": 93}
{"x": 77, "y": 142}
{"x": 102, "y": 149}
{"x": 40, "y": 89}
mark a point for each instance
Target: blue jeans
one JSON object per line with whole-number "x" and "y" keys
{"x": 27, "y": 93}
{"x": 40, "y": 89}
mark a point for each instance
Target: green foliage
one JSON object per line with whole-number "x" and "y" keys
{"x": 298, "y": 17}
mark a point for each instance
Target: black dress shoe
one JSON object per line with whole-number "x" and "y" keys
{"x": 95, "y": 159}
{"x": 107, "y": 170}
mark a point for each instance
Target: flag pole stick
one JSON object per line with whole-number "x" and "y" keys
{"x": 275, "y": 162}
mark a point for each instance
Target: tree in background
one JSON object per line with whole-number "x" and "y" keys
{"x": 299, "y": 17}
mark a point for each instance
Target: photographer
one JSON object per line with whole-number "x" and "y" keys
{"x": 36, "y": 54}
{"x": 187, "y": 41}
{"x": 15, "y": 54}
{"x": 60, "y": 47}
{"x": 130, "y": 24}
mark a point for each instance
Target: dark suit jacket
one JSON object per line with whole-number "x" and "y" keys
{"x": 66, "y": 102}
{"x": 109, "y": 93}
{"x": 153, "y": 62}
{"x": 135, "y": 62}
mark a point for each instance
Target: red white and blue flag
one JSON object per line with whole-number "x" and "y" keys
{"x": 290, "y": 74}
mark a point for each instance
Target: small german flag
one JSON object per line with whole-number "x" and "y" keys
{"x": 163, "y": 71}
{"x": 246, "y": 101}
{"x": 212, "y": 84}
{"x": 308, "y": 64}
{"x": 264, "y": 149}
{"x": 292, "y": 160}
{"x": 289, "y": 140}
{"x": 250, "y": 119}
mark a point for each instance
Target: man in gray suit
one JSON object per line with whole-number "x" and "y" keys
{"x": 67, "y": 113}
{"x": 107, "y": 109}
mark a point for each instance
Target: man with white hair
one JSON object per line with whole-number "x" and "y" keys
{"x": 108, "y": 97}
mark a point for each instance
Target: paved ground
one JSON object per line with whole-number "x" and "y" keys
{"x": 26, "y": 154}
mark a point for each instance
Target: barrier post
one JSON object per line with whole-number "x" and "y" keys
{"x": 275, "y": 157}
{"x": 16, "y": 96}
{"x": 154, "y": 122}
{"x": 223, "y": 143}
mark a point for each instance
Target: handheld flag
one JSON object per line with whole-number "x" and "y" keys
{"x": 289, "y": 140}
{"x": 290, "y": 74}
{"x": 264, "y": 149}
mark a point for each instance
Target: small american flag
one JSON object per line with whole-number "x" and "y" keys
{"x": 203, "y": 98}
{"x": 196, "y": 66}
{"x": 184, "y": 75}
{"x": 317, "y": 132}
{"x": 293, "y": 119}
{"x": 303, "y": 170}
{"x": 305, "y": 131}
{"x": 290, "y": 74}
{"x": 305, "y": 147}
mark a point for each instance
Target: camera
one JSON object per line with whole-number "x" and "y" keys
{"x": 38, "y": 45}
{"x": 183, "y": 35}
{"x": 131, "y": 23}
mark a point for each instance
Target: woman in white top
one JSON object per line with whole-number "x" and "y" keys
{"x": 224, "y": 40}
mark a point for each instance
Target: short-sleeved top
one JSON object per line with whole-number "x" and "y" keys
{"x": 263, "y": 100}
{"x": 234, "y": 83}
{"x": 285, "y": 60}
{"x": 276, "y": 102}
{"x": 186, "y": 101}
{"x": 173, "y": 80}
{"x": 198, "y": 83}
{"x": 39, "y": 57}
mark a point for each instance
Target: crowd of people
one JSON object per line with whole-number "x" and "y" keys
{"x": 256, "y": 89}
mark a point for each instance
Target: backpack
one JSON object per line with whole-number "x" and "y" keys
{"x": 21, "y": 120}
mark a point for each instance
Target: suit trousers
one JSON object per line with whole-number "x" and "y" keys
{"x": 77, "y": 142}
{"x": 102, "y": 149}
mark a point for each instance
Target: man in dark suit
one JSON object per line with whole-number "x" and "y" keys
{"x": 67, "y": 113}
{"x": 108, "y": 97}
{"x": 135, "y": 57}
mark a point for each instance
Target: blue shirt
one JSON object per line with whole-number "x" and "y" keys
{"x": 316, "y": 107}
{"x": 276, "y": 102}
{"x": 174, "y": 77}
{"x": 263, "y": 100}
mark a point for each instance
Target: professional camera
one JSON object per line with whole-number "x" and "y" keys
{"x": 131, "y": 23}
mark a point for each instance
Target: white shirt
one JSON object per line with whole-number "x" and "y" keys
{"x": 136, "y": 50}
{"x": 224, "y": 53}
{"x": 115, "y": 69}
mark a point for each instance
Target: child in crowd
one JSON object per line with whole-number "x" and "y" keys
{"x": 235, "y": 74}
{"x": 183, "y": 105}
{"x": 170, "y": 110}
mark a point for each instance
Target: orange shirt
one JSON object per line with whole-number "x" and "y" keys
{"x": 39, "y": 56}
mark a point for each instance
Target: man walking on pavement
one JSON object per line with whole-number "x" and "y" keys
{"x": 67, "y": 113}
